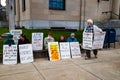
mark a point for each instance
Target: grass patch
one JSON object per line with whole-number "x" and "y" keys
{"x": 56, "y": 34}
{"x": 1, "y": 45}
{"x": 3, "y": 30}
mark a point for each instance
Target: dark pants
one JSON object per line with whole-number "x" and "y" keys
{"x": 18, "y": 57}
{"x": 46, "y": 53}
{"x": 88, "y": 53}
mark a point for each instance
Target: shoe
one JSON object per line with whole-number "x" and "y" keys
{"x": 96, "y": 56}
{"x": 87, "y": 58}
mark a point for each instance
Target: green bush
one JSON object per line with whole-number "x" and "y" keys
{"x": 56, "y": 34}
{"x": 1, "y": 17}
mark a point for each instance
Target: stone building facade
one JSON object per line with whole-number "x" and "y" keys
{"x": 40, "y": 14}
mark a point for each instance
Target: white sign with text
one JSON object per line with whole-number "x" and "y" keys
{"x": 75, "y": 49}
{"x": 26, "y": 53}
{"x": 87, "y": 40}
{"x": 65, "y": 50}
{"x": 37, "y": 41}
{"x": 16, "y": 34}
{"x": 9, "y": 54}
{"x": 98, "y": 40}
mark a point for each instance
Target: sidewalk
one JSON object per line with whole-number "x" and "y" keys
{"x": 105, "y": 67}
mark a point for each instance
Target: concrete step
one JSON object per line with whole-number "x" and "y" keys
{"x": 117, "y": 46}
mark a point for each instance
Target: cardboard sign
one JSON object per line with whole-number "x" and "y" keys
{"x": 65, "y": 50}
{"x": 87, "y": 40}
{"x": 75, "y": 49}
{"x": 26, "y": 53}
{"x": 16, "y": 34}
{"x": 37, "y": 41}
{"x": 9, "y": 54}
{"x": 53, "y": 49}
{"x": 98, "y": 40}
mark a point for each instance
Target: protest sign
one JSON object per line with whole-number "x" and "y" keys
{"x": 87, "y": 40}
{"x": 75, "y": 49}
{"x": 37, "y": 41}
{"x": 16, "y": 34}
{"x": 53, "y": 49}
{"x": 26, "y": 53}
{"x": 9, "y": 54}
{"x": 65, "y": 50}
{"x": 98, "y": 40}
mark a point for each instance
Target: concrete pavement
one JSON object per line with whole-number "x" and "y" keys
{"x": 105, "y": 67}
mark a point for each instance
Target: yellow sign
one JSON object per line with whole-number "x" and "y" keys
{"x": 54, "y": 51}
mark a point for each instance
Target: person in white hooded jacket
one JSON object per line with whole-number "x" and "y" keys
{"x": 90, "y": 28}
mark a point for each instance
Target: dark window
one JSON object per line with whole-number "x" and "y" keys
{"x": 57, "y": 4}
{"x": 119, "y": 13}
{"x": 105, "y": 0}
{"x": 23, "y": 5}
{"x": 15, "y": 7}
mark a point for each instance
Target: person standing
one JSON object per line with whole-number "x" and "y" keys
{"x": 72, "y": 38}
{"x": 91, "y": 28}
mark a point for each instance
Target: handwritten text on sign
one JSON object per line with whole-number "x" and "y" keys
{"x": 65, "y": 50}
{"x": 37, "y": 41}
{"x": 98, "y": 40}
{"x": 16, "y": 34}
{"x": 26, "y": 53}
{"x": 75, "y": 49}
{"x": 9, "y": 54}
{"x": 87, "y": 40}
{"x": 54, "y": 51}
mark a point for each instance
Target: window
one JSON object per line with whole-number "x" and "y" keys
{"x": 105, "y": 0}
{"x": 23, "y": 5}
{"x": 57, "y": 4}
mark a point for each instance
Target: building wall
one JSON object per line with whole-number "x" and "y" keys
{"x": 21, "y": 16}
{"x": 38, "y": 15}
{"x": 94, "y": 10}
{"x": 116, "y": 7}
{"x": 26, "y": 14}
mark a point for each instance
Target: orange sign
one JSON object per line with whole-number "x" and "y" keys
{"x": 54, "y": 51}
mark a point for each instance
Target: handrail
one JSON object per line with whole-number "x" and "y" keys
{"x": 115, "y": 14}
{"x": 111, "y": 13}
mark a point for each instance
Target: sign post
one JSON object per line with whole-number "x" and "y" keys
{"x": 11, "y": 14}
